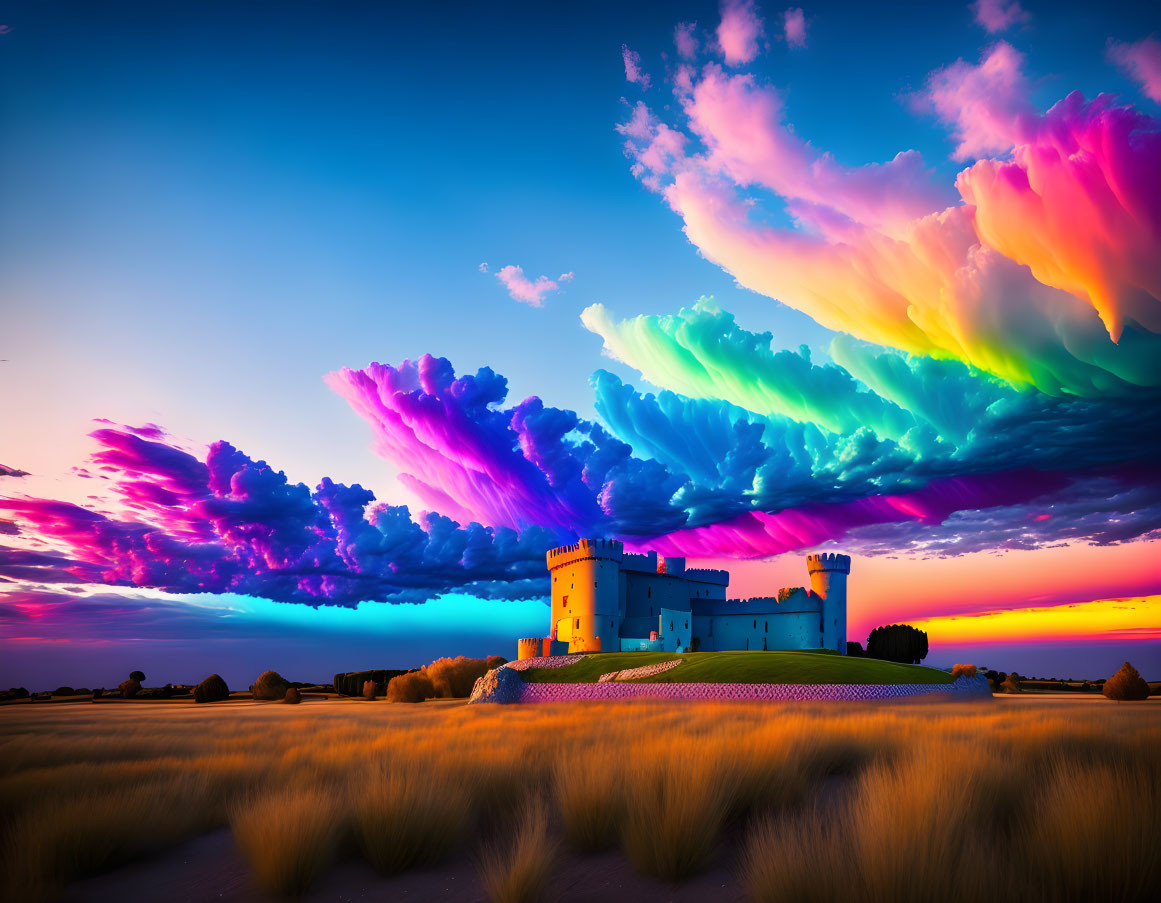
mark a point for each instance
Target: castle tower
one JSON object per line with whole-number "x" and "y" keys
{"x": 828, "y": 579}
{"x": 586, "y": 600}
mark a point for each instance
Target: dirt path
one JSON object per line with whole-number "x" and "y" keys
{"x": 210, "y": 868}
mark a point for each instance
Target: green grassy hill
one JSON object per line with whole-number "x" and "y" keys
{"x": 744, "y": 668}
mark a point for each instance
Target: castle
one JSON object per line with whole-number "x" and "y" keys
{"x": 604, "y": 599}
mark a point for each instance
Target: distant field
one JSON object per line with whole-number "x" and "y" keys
{"x": 744, "y": 668}
{"x": 625, "y": 802}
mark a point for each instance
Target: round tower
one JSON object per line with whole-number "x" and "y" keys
{"x": 828, "y": 580}
{"x": 586, "y": 603}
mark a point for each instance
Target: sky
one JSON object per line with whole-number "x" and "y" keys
{"x": 322, "y": 322}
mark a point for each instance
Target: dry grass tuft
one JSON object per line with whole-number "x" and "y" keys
{"x": 588, "y": 788}
{"x": 288, "y": 836}
{"x": 676, "y": 798}
{"x": 518, "y": 870}
{"x": 408, "y": 818}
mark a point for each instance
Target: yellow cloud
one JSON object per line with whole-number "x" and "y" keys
{"x": 1133, "y": 618}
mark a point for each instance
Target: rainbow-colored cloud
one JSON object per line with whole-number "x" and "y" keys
{"x": 1047, "y": 272}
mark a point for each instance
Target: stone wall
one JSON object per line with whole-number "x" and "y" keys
{"x": 962, "y": 689}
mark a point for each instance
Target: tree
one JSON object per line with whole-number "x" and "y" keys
{"x": 898, "y": 643}
{"x": 138, "y": 676}
{"x": 1127, "y": 683}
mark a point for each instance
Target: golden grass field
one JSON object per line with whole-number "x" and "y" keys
{"x": 889, "y": 802}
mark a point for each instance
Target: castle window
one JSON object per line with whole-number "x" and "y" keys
{"x": 821, "y": 624}
{"x": 755, "y": 623}
{"x": 687, "y": 623}
{"x": 649, "y": 595}
{"x": 711, "y": 630}
{"x": 767, "y": 627}
{"x": 576, "y": 626}
{"x": 747, "y": 644}
{"x": 671, "y": 627}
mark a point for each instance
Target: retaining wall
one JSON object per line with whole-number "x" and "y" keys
{"x": 964, "y": 688}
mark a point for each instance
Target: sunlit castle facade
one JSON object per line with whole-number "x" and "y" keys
{"x": 604, "y": 599}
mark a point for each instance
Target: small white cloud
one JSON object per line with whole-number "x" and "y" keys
{"x": 484, "y": 267}
{"x": 525, "y": 290}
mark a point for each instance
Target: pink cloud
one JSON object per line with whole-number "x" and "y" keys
{"x": 739, "y": 31}
{"x": 1141, "y": 62}
{"x": 685, "y": 39}
{"x": 742, "y": 126}
{"x": 794, "y": 24}
{"x": 987, "y": 104}
{"x": 633, "y": 71}
{"x": 997, "y": 15}
{"x": 526, "y": 290}
{"x": 657, "y": 151}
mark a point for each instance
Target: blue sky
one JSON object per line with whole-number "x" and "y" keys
{"x": 208, "y": 206}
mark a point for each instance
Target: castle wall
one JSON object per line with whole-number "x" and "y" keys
{"x": 676, "y": 629}
{"x": 770, "y": 631}
{"x": 645, "y": 595}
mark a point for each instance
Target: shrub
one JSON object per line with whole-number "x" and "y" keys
{"x": 138, "y": 676}
{"x": 495, "y": 661}
{"x": 64, "y": 691}
{"x": 855, "y": 649}
{"x": 370, "y": 689}
{"x": 414, "y": 686}
{"x": 270, "y": 685}
{"x": 293, "y": 697}
{"x": 1012, "y": 684}
{"x": 958, "y": 671}
{"x": 14, "y": 693}
{"x": 519, "y": 872}
{"x": 454, "y": 678}
{"x": 1126, "y": 684}
{"x": 130, "y": 688}
{"x": 212, "y": 689}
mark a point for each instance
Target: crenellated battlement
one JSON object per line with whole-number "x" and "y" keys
{"x": 609, "y": 549}
{"x": 708, "y": 575}
{"x": 828, "y": 561}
